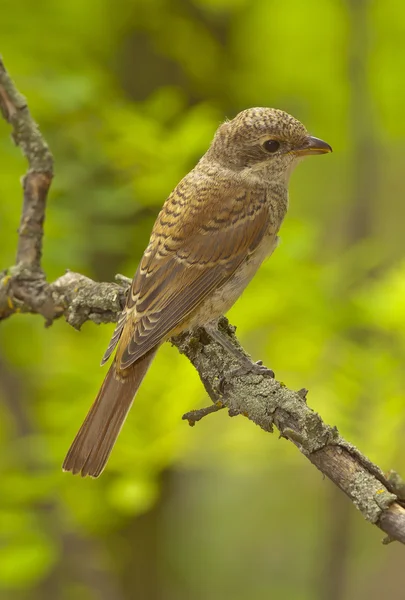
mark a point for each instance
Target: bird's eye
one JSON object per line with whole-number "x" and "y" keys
{"x": 271, "y": 145}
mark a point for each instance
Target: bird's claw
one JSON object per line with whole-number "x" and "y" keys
{"x": 256, "y": 368}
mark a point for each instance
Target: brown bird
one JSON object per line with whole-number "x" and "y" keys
{"x": 209, "y": 239}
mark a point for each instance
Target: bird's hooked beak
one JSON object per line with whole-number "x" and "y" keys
{"x": 312, "y": 145}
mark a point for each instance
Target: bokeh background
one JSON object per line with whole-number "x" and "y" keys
{"x": 128, "y": 94}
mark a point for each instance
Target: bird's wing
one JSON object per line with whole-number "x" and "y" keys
{"x": 200, "y": 238}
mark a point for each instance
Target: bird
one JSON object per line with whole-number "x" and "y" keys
{"x": 209, "y": 239}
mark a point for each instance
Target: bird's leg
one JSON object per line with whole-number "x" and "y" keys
{"x": 247, "y": 366}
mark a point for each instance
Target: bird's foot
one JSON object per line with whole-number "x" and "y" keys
{"x": 247, "y": 368}
{"x": 256, "y": 368}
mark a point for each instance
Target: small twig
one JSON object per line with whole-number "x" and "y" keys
{"x": 193, "y": 416}
{"x": 123, "y": 280}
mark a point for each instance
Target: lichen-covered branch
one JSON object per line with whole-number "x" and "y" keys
{"x": 38, "y": 179}
{"x": 263, "y": 400}
{"x": 74, "y": 296}
{"x": 269, "y": 403}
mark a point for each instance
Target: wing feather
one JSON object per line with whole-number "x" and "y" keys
{"x": 191, "y": 253}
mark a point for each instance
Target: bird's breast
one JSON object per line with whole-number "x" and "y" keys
{"x": 224, "y": 297}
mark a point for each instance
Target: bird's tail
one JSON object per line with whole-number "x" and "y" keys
{"x": 95, "y": 439}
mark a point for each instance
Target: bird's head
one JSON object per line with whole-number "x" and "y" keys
{"x": 264, "y": 143}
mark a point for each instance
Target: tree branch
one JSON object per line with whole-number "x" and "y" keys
{"x": 264, "y": 401}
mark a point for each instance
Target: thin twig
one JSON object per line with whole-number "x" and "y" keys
{"x": 196, "y": 415}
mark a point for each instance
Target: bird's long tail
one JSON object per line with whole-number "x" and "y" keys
{"x": 95, "y": 439}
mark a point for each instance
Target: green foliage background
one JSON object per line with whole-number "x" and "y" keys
{"x": 128, "y": 95}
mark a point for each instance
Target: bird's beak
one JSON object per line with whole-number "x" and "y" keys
{"x": 312, "y": 145}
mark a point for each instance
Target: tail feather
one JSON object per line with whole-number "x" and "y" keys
{"x": 94, "y": 441}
